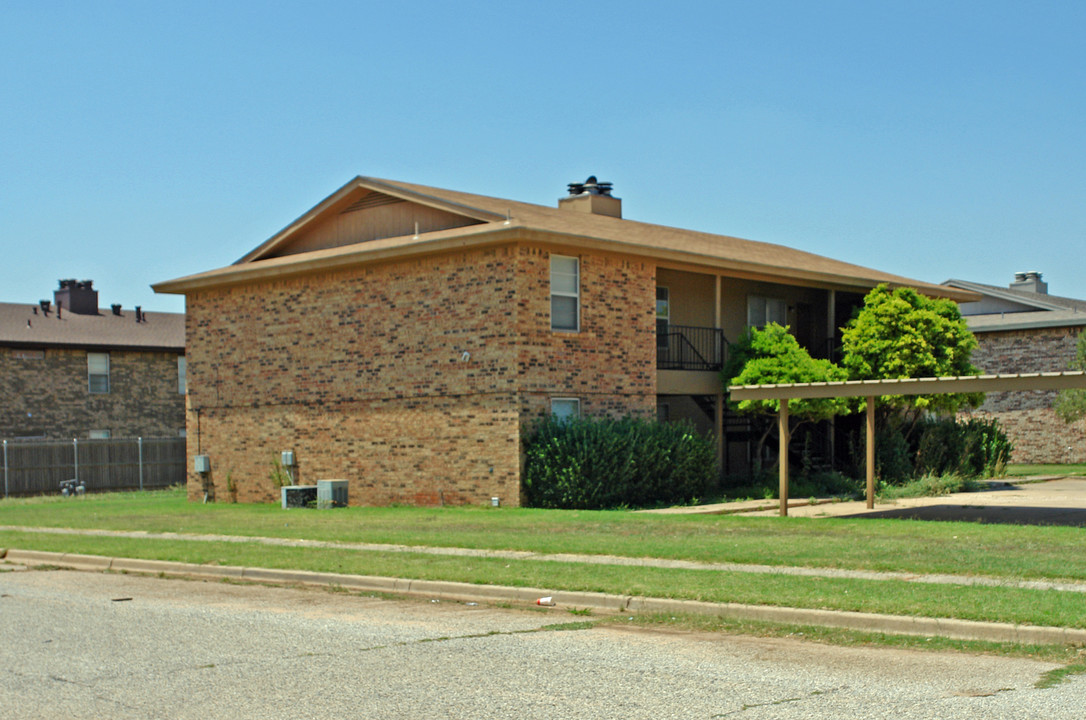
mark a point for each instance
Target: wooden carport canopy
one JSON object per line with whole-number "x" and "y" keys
{"x": 872, "y": 389}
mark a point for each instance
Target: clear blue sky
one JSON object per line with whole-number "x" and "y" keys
{"x": 142, "y": 141}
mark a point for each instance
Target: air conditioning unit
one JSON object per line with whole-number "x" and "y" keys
{"x": 331, "y": 494}
{"x": 298, "y": 496}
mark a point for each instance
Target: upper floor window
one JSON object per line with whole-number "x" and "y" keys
{"x": 182, "y": 384}
{"x": 565, "y": 293}
{"x": 764, "y": 310}
{"x": 663, "y": 316}
{"x": 99, "y": 434}
{"x": 98, "y": 372}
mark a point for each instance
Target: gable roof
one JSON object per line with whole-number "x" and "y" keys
{"x": 1031, "y": 300}
{"x": 21, "y": 327}
{"x": 495, "y": 220}
{"x": 1021, "y": 309}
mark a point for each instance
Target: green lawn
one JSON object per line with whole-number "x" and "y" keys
{"x": 908, "y": 546}
{"x": 867, "y": 544}
{"x": 1076, "y": 469}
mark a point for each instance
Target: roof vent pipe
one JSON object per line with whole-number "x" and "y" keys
{"x": 116, "y": 308}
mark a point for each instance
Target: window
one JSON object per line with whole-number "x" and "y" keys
{"x": 565, "y": 293}
{"x": 98, "y": 372}
{"x": 182, "y": 385}
{"x": 764, "y": 310}
{"x": 563, "y": 408}
{"x": 98, "y": 435}
{"x": 663, "y": 316}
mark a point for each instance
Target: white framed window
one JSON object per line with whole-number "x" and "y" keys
{"x": 98, "y": 372}
{"x": 763, "y": 310}
{"x": 99, "y": 435}
{"x": 563, "y": 408}
{"x": 565, "y": 293}
{"x": 182, "y": 383}
{"x": 663, "y": 315}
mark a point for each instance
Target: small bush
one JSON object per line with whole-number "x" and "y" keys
{"x": 929, "y": 486}
{"x": 595, "y": 463}
{"x": 937, "y": 447}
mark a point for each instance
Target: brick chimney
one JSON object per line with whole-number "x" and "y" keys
{"x": 1030, "y": 282}
{"x": 593, "y": 197}
{"x": 77, "y": 297}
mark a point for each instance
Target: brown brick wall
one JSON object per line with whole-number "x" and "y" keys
{"x": 50, "y": 396}
{"x": 610, "y": 365}
{"x": 362, "y": 372}
{"x": 430, "y": 451}
{"x": 1039, "y": 436}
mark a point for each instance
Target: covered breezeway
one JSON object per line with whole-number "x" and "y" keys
{"x": 871, "y": 389}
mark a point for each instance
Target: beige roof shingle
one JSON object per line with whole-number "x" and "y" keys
{"x": 509, "y": 220}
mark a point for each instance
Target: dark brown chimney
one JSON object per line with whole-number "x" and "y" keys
{"x": 80, "y": 297}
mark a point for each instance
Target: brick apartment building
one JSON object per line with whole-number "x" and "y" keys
{"x": 69, "y": 370}
{"x": 1020, "y": 328}
{"x": 400, "y": 336}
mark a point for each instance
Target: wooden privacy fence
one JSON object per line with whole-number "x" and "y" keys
{"x": 38, "y": 466}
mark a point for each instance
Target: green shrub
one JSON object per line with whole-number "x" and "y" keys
{"x": 936, "y": 447}
{"x": 969, "y": 448}
{"x": 593, "y": 463}
{"x": 929, "y": 486}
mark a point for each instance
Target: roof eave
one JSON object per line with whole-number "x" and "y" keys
{"x": 505, "y": 232}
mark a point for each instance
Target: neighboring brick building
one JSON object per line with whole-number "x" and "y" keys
{"x": 70, "y": 371}
{"x": 1023, "y": 329}
{"x": 401, "y": 336}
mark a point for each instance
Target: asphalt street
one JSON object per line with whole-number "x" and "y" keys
{"x": 92, "y": 645}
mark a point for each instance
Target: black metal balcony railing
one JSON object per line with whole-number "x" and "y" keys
{"x": 691, "y": 348}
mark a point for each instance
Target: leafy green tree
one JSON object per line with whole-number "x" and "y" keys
{"x": 1071, "y": 404}
{"x": 771, "y": 355}
{"x": 898, "y": 334}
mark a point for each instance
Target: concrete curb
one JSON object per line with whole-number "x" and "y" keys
{"x": 468, "y": 592}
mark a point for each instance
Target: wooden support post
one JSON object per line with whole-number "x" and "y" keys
{"x": 719, "y": 423}
{"x": 870, "y": 453}
{"x": 782, "y": 425}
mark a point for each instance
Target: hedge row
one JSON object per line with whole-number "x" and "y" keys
{"x": 595, "y": 463}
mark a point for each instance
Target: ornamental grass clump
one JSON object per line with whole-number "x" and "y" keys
{"x": 597, "y": 463}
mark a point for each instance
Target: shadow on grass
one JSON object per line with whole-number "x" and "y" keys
{"x": 1009, "y": 515}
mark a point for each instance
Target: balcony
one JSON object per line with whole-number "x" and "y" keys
{"x": 691, "y": 348}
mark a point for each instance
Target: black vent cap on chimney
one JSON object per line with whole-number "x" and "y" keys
{"x": 591, "y": 186}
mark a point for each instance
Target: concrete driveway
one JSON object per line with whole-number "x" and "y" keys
{"x": 1058, "y": 501}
